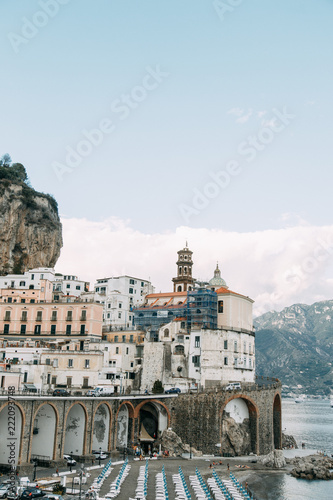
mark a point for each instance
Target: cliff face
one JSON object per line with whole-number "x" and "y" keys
{"x": 30, "y": 228}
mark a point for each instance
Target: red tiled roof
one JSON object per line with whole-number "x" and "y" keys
{"x": 224, "y": 290}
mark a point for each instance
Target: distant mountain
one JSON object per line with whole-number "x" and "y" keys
{"x": 296, "y": 346}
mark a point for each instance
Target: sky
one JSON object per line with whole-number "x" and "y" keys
{"x": 155, "y": 122}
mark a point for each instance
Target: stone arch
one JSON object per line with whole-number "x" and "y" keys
{"x": 20, "y": 419}
{"x": 124, "y": 425}
{"x": 152, "y": 417}
{"x": 75, "y": 436}
{"x": 253, "y": 422}
{"x": 101, "y": 435}
{"x": 277, "y": 424}
{"x": 43, "y": 444}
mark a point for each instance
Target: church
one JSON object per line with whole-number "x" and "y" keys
{"x": 199, "y": 336}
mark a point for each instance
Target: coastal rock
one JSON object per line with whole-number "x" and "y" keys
{"x": 275, "y": 459}
{"x": 30, "y": 228}
{"x": 288, "y": 441}
{"x": 313, "y": 467}
{"x": 237, "y": 437}
{"x": 171, "y": 442}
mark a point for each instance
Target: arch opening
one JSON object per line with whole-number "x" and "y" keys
{"x": 153, "y": 420}
{"x": 101, "y": 432}
{"x": 239, "y": 427}
{"x": 43, "y": 433}
{"x": 10, "y": 422}
{"x": 277, "y": 435}
{"x": 75, "y": 430}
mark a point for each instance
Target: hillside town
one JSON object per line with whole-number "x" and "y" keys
{"x": 121, "y": 336}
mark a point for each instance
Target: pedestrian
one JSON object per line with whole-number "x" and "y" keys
{"x": 57, "y": 472}
{"x": 246, "y": 486}
{"x": 228, "y": 466}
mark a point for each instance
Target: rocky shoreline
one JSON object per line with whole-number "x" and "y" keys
{"x": 312, "y": 467}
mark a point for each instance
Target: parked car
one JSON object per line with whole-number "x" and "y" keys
{"x": 100, "y": 455}
{"x": 29, "y": 493}
{"x": 70, "y": 460}
{"x": 4, "y": 490}
{"x": 60, "y": 392}
{"x": 173, "y": 390}
{"x": 233, "y": 386}
{"x": 91, "y": 392}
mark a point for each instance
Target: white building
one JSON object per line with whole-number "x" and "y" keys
{"x": 64, "y": 285}
{"x": 119, "y": 295}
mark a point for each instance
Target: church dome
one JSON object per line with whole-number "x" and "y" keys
{"x": 217, "y": 281}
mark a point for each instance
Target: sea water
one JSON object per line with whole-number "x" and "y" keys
{"x": 311, "y": 423}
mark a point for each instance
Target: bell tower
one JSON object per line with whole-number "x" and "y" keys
{"x": 184, "y": 281}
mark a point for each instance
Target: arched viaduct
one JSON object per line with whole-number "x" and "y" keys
{"x": 54, "y": 426}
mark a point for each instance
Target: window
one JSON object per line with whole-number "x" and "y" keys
{"x": 119, "y": 315}
{"x": 32, "y": 301}
{"x": 10, "y": 300}
{"x": 47, "y": 361}
{"x": 131, "y": 338}
{"x": 120, "y": 305}
{"x": 196, "y": 361}
{"x": 197, "y": 342}
{"x": 53, "y": 329}
{"x": 23, "y": 329}
{"x": 23, "y": 301}
{"x": 131, "y": 282}
{"x": 142, "y": 283}
{"x": 245, "y": 347}
{"x": 68, "y": 329}
{"x": 183, "y": 325}
{"x": 87, "y": 363}
{"x": 39, "y": 316}
{"x": 48, "y": 378}
{"x": 236, "y": 362}
{"x": 24, "y": 316}
{"x": 54, "y": 316}
{"x": 116, "y": 338}
{"x": 55, "y": 363}
{"x": 85, "y": 382}
{"x": 126, "y": 350}
{"x": 42, "y": 276}
{"x": 132, "y": 364}
{"x": 37, "y": 329}
{"x": 109, "y": 306}
{"x": 220, "y": 306}
{"x": 166, "y": 332}
{"x": 225, "y": 361}
{"x": 108, "y": 315}
{"x": 82, "y": 329}
{"x": 32, "y": 276}
{"x": 179, "y": 349}
{"x": 250, "y": 349}
{"x": 7, "y": 316}
{"x": 250, "y": 363}
{"x": 69, "y": 316}
{"x": 70, "y": 363}
{"x": 69, "y": 381}
{"x": 123, "y": 338}
{"x": 78, "y": 287}
{"x": 235, "y": 346}
{"x": 68, "y": 286}
{"x": 5, "y": 329}
{"x": 117, "y": 350}
{"x": 225, "y": 344}
{"x": 130, "y": 290}
{"x": 83, "y": 315}
{"x": 54, "y": 380}
{"x": 22, "y": 283}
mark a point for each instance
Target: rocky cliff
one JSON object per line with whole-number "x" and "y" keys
{"x": 30, "y": 228}
{"x": 296, "y": 346}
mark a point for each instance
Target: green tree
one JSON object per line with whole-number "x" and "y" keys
{"x": 5, "y": 160}
{"x": 157, "y": 387}
{"x": 20, "y": 171}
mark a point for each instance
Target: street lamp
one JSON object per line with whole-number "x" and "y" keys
{"x": 70, "y": 461}
{"x": 81, "y": 474}
{"x": 99, "y": 456}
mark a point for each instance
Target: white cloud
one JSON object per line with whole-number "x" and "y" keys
{"x": 274, "y": 267}
{"x": 245, "y": 118}
{"x": 236, "y": 111}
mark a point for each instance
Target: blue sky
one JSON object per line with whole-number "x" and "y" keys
{"x": 223, "y": 74}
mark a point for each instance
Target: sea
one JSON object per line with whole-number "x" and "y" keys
{"x": 311, "y": 423}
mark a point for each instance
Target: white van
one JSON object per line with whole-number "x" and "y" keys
{"x": 233, "y": 386}
{"x": 101, "y": 391}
